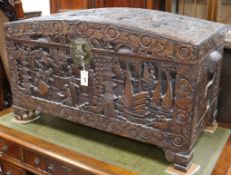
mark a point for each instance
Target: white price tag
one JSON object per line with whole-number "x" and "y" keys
{"x": 84, "y": 78}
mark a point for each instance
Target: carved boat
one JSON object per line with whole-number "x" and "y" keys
{"x": 134, "y": 104}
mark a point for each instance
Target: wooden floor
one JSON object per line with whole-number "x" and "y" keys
{"x": 223, "y": 165}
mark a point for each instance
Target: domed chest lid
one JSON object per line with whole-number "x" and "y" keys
{"x": 172, "y": 26}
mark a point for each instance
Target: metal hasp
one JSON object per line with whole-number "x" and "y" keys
{"x": 81, "y": 52}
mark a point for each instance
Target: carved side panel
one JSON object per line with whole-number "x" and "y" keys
{"x": 207, "y": 93}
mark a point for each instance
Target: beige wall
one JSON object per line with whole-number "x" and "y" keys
{"x": 36, "y": 5}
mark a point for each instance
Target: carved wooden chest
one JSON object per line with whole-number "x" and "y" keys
{"x": 142, "y": 74}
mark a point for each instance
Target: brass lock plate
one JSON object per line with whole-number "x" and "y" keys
{"x": 81, "y": 51}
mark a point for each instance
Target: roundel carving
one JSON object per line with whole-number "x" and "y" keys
{"x": 33, "y": 27}
{"x": 183, "y": 87}
{"x": 184, "y": 52}
{"x": 111, "y": 32}
{"x": 56, "y": 27}
{"x": 145, "y": 41}
{"x": 181, "y": 116}
{"x": 178, "y": 141}
{"x": 9, "y": 31}
{"x": 81, "y": 27}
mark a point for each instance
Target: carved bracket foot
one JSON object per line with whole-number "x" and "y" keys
{"x": 211, "y": 128}
{"x": 182, "y": 161}
{"x": 24, "y": 115}
{"x": 212, "y": 123}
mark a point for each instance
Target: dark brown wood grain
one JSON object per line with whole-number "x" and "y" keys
{"x": 63, "y": 5}
{"x": 19, "y": 9}
{"x": 168, "y": 5}
{"x": 8, "y": 168}
{"x": 121, "y": 3}
{"x": 10, "y": 149}
{"x": 146, "y": 82}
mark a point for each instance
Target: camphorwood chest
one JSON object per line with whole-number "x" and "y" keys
{"x": 152, "y": 76}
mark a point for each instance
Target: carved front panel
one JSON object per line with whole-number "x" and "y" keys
{"x": 153, "y": 94}
{"x": 140, "y": 91}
